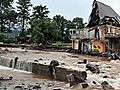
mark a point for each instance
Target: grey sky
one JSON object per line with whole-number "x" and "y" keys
{"x": 73, "y": 8}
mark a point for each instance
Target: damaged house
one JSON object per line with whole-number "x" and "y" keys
{"x": 102, "y": 32}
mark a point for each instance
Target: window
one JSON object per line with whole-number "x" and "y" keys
{"x": 74, "y": 32}
{"x": 99, "y": 47}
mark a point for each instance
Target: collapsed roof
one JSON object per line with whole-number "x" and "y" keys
{"x": 103, "y": 14}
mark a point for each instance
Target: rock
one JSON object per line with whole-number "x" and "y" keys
{"x": 84, "y": 75}
{"x": 73, "y": 79}
{"x": 62, "y": 64}
{"x": 36, "y": 61}
{"x": 57, "y": 89}
{"x": 105, "y": 76}
{"x": 54, "y": 63}
{"x": 10, "y": 78}
{"x": 6, "y": 49}
{"x": 36, "y": 87}
{"x": 23, "y": 84}
{"x": 104, "y": 83}
{"x": 84, "y": 85}
{"x": 83, "y": 62}
{"x": 93, "y": 68}
{"x": 50, "y": 84}
{"x": 93, "y": 82}
{"x": 20, "y": 87}
{"x": 40, "y": 59}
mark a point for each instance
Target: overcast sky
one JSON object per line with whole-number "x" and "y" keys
{"x": 74, "y": 8}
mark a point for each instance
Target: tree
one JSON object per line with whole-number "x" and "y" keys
{"x": 5, "y": 6}
{"x": 61, "y": 22}
{"x": 40, "y": 12}
{"x": 24, "y": 15}
{"x": 43, "y": 31}
{"x": 78, "y": 23}
{"x": 11, "y": 19}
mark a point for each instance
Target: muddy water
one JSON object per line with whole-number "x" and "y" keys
{"x": 27, "y": 79}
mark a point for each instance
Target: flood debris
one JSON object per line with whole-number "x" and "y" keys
{"x": 84, "y": 85}
{"x": 105, "y": 85}
{"x": 73, "y": 79}
{"x": 6, "y": 49}
{"x": 52, "y": 68}
{"x": 5, "y": 79}
{"x": 93, "y": 68}
{"x": 57, "y": 89}
{"x": 85, "y": 61}
{"x": 36, "y": 61}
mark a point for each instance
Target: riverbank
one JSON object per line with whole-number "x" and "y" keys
{"x": 109, "y": 70}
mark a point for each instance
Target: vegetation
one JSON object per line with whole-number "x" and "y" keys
{"x": 43, "y": 29}
{"x": 23, "y": 14}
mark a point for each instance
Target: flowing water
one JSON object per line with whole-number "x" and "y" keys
{"x": 26, "y": 79}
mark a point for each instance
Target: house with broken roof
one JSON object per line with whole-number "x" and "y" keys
{"x": 102, "y": 32}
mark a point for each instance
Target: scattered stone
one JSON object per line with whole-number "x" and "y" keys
{"x": 40, "y": 59}
{"x": 10, "y": 78}
{"x": 93, "y": 82}
{"x": 20, "y": 87}
{"x": 57, "y": 89}
{"x": 105, "y": 85}
{"x": 4, "y": 79}
{"x": 54, "y": 63}
{"x": 6, "y": 49}
{"x": 108, "y": 67}
{"x": 114, "y": 56}
{"x": 84, "y": 75}
{"x": 50, "y": 84}
{"x": 36, "y": 61}
{"x": 84, "y": 85}
{"x": 5, "y": 87}
{"x": 23, "y": 84}
{"x": 93, "y": 68}
{"x": 36, "y": 87}
{"x": 83, "y": 62}
{"x": 62, "y": 63}
{"x": 105, "y": 76}
{"x": 73, "y": 79}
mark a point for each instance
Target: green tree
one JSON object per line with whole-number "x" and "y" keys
{"x": 61, "y": 22}
{"x": 78, "y": 23}
{"x": 23, "y": 13}
{"x": 11, "y": 19}
{"x": 40, "y": 12}
{"x": 43, "y": 31}
{"x": 5, "y": 6}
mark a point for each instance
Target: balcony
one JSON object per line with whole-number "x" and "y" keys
{"x": 76, "y": 36}
{"x": 112, "y": 36}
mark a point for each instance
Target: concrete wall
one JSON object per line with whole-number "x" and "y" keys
{"x": 42, "y": 69}
{"x": 5, "y": 61}
{"x": 61, "y": 72}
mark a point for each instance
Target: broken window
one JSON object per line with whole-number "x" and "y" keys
{"x": 99, "y": 47}
{"x": 94, "y": 46}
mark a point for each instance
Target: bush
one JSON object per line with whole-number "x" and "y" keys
{"x": 10, "y": 40}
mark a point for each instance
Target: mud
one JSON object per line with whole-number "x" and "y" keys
{"x": 109, "y": 70}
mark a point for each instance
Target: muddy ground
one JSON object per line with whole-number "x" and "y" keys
{"x": 109, "y": 69}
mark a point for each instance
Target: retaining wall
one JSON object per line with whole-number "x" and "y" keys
{"x": 42, "y": 69}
